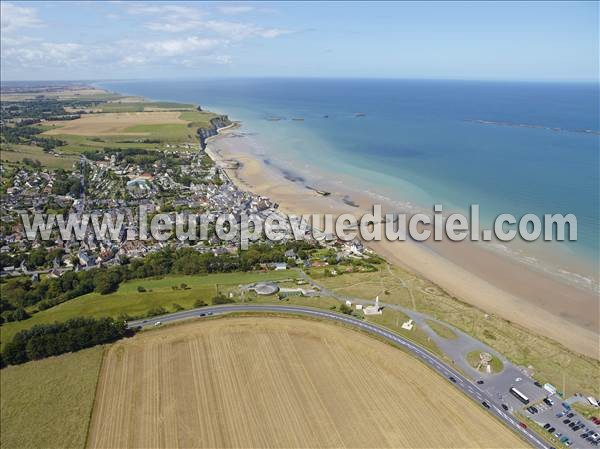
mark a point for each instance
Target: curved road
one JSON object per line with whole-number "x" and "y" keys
{"x": 466, "y": 386}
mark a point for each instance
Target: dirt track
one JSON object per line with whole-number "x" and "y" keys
{"x": 278, "y": 382}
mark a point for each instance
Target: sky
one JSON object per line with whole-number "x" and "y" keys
{"x": 432, "y": 40}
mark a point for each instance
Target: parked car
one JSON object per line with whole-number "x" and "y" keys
{"x": 523, "y": 425}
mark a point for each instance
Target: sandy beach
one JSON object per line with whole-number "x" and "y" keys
{"x": 482, "y": 278}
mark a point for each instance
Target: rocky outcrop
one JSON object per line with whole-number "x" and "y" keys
{"x": 220, "y": 121}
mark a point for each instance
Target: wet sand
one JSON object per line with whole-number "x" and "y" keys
{"x": 490, "y": 281}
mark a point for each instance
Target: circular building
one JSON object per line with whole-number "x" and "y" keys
{"x": 265, "y": 288}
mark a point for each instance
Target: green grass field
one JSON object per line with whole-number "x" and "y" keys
{"x": 144, "y": 106}
{"x": 393, "y": 319}
{"x": 198, "y": 119}
{"x": 586, "y": 411}
{"x": 164, "y": 133}
{"x": 16, "y": 153}
{"x": 81, "y": 144}
{"x": 495, "y": 364}
{"x": 48, "y": 403}
{"x": 167, "y": 132}
{"x": 127, "y": 300}
{"x": 441, "y": 330}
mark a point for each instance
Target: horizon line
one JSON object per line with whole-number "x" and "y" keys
{"x": 225, "y": 77}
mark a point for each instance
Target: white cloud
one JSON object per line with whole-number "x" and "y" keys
{"x": 179, "y": 18}
{"x": 168, "y": 18}
{"x": 206, "y": 41}
{"x": 15, "y": 18}
{"x": 236, "y": 9}
{"x": 174, "y": 26}
{"x": 240, "y": 31}
{"x": 44, "y": 54}
{"x": 173, "y": 47}
{"x": 219, "y": 59}
{"x": 134, "y": 60}
{"x": 163, "y": 10}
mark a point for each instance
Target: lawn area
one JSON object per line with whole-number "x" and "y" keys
{"x": 48, "y": 403}
{"x": 495, "y": 363}
{"x": 441, "y": 330}
{"x": 127, "y": 300}
{"x": 16, "y": 153}
{"x": 549, "y": 359}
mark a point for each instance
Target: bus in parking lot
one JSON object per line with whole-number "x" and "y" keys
{"x": 520, "y": 396}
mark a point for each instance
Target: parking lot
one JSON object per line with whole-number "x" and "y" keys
{"x": 565, "y": 425}
{"x": 545, "y": 415}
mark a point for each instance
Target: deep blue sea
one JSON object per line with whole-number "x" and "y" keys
{"x": 509, "y": 147}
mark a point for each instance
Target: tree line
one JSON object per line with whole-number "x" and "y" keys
{"x": 45, "y": 340}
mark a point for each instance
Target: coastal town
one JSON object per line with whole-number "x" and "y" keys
{"x": 178, "y": 179}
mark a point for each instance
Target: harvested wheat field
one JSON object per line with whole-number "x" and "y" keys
{"x": 257, "y": 382}
{"x": 114, "y": 123}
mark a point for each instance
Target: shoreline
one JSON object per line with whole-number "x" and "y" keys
{"x": 477, "y": 276}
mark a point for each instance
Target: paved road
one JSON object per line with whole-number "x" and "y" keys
{"x": 466, "y": 386}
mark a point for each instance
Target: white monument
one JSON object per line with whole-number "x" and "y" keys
{"x": 374, "y": 309}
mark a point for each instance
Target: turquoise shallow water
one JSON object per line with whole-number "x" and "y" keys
{"x": 424, "y": 142}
